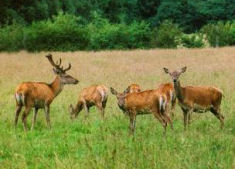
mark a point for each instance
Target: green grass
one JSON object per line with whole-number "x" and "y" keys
{"x": 94, "y": 143}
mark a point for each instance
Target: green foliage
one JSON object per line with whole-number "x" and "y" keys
{"x": 104, "y": 35}
{"x": 11, "y": 37}
{"x": 191, "y": 15}
{"x": 166, "y": 35}
{"x": 220, "y": 34}
{"x": 111, "y": 24}
{"x": 147, "y": 9}
{"x": 67, "y": 32}
{"x": 62, "y": 33}
{"x": 193, "y": 40}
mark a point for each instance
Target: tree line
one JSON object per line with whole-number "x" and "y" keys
{"x": 144, "y": 23}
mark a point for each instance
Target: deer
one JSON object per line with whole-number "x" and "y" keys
{"x": 133, "y": 88}
{"x": 169, "y": 91}
{"x": 39, "y": 95}
{"x": 95, "y": 95}
{"x": 197, "y": 99}
{"x": 145, "y": 102}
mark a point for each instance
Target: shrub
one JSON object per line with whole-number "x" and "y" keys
{"x": 139, "y": 35}
{"x": 220, "y": 34}
{"x": 104, "y": 35}
{"x": 167, "y": 35}
{"x": 61, "y": 34}
{"x": 11, "y": 37}
{"x": 193, "y": 40}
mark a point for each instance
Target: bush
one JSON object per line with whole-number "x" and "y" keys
{"x": 220, "y": 34}
{"x": 104, "y": 35}
{"x": 139, "y": 35}
{"x": 11, "y": 37}
{"x": 167, "y": 35}
{"x": 193, "y": 40}
{"x": 61, "y": 34}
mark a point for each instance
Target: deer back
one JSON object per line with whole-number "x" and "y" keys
{"x": 94, "y": 93}
{"x": 133, "y": 88}
{"x": 203, "y": 96}
{"x": 149, "y": 99}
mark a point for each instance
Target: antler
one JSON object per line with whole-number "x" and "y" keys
{"x": 69, "y": 67}
{"x": 57, "y": 64}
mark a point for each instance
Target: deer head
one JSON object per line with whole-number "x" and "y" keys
{"x": 120, "y": 97}
{"x": 61, "y": 72}
{"x": 175, "y": 74}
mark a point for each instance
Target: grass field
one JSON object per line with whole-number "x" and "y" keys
{"x": 94, "y": 143}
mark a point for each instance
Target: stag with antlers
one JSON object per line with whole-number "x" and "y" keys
{"x": 39, "y": 95}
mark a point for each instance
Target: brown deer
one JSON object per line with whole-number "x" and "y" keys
{"x": 196, "y": 98}
{"x": 94, "y": 95}
{"x": 133, "y": 88}
{"x": 145, "y": 102}
{"x": 169, "y": 91}
{"x": 39, "y": 95}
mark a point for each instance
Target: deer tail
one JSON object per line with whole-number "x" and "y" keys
{"x": 20, "y": 98}
{"x": 162, "y": 104}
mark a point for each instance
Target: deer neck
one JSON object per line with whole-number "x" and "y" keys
{"x": 56, "y": 86}
{"x": 178, "y": 91}
{"x": 121, "y": 103}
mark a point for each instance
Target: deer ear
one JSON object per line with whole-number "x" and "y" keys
{"x": 127, "y": 90}
{"x": 166, "y": 70}
{"x": 113, "y": 91}
{"x": 56, "y": 71}
{"x": 183, "y": 69}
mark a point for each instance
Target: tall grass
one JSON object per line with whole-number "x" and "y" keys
{"x": 94, "y": 143}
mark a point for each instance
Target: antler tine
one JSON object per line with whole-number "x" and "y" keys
{"x": 69, "y": 67}
{"x": 49, "y": 57}
{"x": 58, "y": 62}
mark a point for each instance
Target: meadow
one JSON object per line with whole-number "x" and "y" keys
{"x": 99, "y": 144}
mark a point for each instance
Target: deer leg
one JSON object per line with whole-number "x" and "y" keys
{"x": 86, "y": 110}
{"x": 34, "y": 117}
{"x": 185, "y": 112}
{"x": 103, "y": 107}
{"x": 168, "y": 119}
{"x": 173, "y": 103}
{"x": 47, "y": 113}
{"x": 162, "y": 121}
{"x": 218, "y": 115}
{"x": 24, "y": 116}
{"x": 17, "y": 113}
{"x": 100, "y": 107}
{"x": 189, "y": 116}
{"x": 132, "y": 124}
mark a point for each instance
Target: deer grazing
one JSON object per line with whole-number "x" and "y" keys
{"x": 196, "y": 98}
{"x": 145, "y": 102}
{"x": 169, "y": 91}
{"x": 133, "y": 88}
{"x": 94, "y": 95}
{"x": 39, "y": 95}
